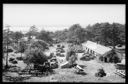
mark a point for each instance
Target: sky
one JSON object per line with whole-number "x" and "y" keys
{"x": 52, "y": 17}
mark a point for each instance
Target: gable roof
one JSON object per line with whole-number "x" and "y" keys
{"x": 100, "y": 49}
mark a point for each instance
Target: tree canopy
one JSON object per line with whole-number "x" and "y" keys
{"x": 45, "y": 36}
{"x": 104, "y": 33}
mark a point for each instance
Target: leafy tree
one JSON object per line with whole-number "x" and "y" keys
{"x": 35, "y": 56}
{"x": 111, "y": 35}
{"x": 76, "y": 33}
{"x": 39, "y": 44}
{"x": 17, "y": 36}
{"x": 22, "y": 47}
{"x": 71, "y": 57}
{"x": 103, "y": 33}
{"x": 33, "y": 31}
{"x": 6, "y": 42}
{"x": 107, "y": 34}
{"x": 45, "y": 36}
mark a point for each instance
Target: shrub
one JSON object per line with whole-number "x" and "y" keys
{"x": 35, "y": 56}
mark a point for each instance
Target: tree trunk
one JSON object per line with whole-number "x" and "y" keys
{"x": 7, "y": 57}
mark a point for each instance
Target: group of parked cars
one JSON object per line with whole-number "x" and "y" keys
{"x": 87, "y": 57}
{"x": 60, "y": 50}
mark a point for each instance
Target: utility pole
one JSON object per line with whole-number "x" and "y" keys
{"x": 7, "y": 26}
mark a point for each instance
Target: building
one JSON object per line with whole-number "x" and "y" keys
{"x": 96, "y": 49}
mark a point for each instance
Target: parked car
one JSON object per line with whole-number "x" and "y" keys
{"x": 11, "y": 59}
{"x": 120, "y": 69}
{"x": 14, "y": 62}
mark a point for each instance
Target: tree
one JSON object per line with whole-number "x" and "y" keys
{"x": 17, "y": 36}
{"x": 112, "y": 34}
{"x": 39, "y": 44}
{"x": 33, "y": 31}
{"x": 45, "y": 36}
{"x": 22, "y": 47}
{"x": 71, "y": 57}
{"x": 6, "y": 42}
{"x": 35, "y": 55}
{"x": 107, "y": 34}
{"x": 76, "y": 33}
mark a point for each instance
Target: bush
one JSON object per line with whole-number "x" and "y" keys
{"x": 35, "y": 56}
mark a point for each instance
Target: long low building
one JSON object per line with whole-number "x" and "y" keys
{"x": 96, "y": 49}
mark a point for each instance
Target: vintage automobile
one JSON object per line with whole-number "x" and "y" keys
{"x": 120, "y": 69}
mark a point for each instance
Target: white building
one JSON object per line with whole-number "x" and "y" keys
{"x": 96, "y": 49}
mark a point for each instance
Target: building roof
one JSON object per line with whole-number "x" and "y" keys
{"x": 100, "y": 49}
